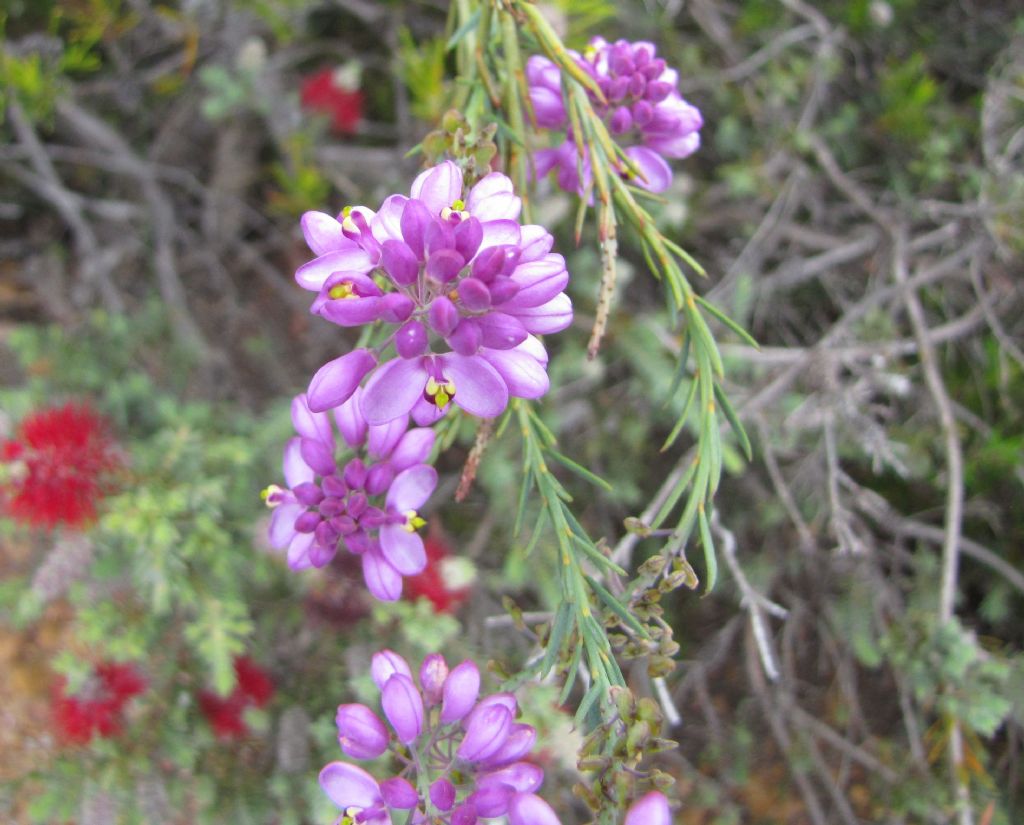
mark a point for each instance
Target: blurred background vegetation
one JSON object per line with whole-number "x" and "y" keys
{"x": 859, "y": 203}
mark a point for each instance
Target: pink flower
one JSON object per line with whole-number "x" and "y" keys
{"x": 642, "y": 107}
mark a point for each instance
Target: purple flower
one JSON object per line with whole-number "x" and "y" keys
{"x": 369, "y": 505}
{"x": 355, "y": 792}
{"x": 460, "y": 282}
{"x": 642, "y": 107}
{"x": 650, "y": 809}
{"x": 485, "y": 778}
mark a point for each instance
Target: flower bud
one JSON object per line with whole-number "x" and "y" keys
{"x": 524, "y": 777}
{"x": 307, "y": 522}
{"x": 361, "y": 733}
{"x": 460, "y": 691}
{"x": 519, "y": 743}
{"x": 318, "y": 456}
{"x": 411, "y": 340}
{"x": 399, "y": 262}
{"x": 396, "y": 307}
{"x": 491, "y": 800}
{"x": 474, "y": 294}
{"x": 442, "y": 794}
{"x": 444, "y": 264}
{"x": 399, "y": 793}
{"x": 379, "y": 479}
{"x": 308, "y": 493}
{"x": 385, "y": 664}
{"x": 468, "y": 236}
{"x": 486, "y": 733}
{"x": 354, "y": 474}
{"x": 443, "y": 316}
{"x": 433, "y": 672}
{"x": 465, "y": 340}
{"x": 336, "y": 380}
{"x": 414, "y": 222}
{"x": 403, "y": 706}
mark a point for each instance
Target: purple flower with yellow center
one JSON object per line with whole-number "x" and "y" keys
{"x": 467, "y": 753}
{"x": 371, "y": 505}
{"x": 462, "y": 285}
{"x": 642, "y": 107}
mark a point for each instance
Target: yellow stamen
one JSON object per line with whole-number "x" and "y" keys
{"x": 413, "y": 522}
{"x": 439, "y": 394}
{"x": 267, "y": 492}
{"x": 342, "y": 290}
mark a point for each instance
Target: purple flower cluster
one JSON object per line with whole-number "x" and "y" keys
{"x": 460, "y": 287}
{"x": 643, "y": 108}
{"x": 369, "y": 504}
{"x": 463, "y": 755}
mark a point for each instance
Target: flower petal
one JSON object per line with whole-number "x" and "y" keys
{"x": 438, "y": 187}
{"x": 548, "y": 106}
{"x": 494, "y": 199}
{"x": 350, "y": 421}
{"x": 539, "y": 281}
{"x": 309, "y": 424}
{"x": 650, "y": 809}
{"x": 384, "y": 437}
{"x": 382, "y": 580}
{"x": 479, "y": 389}
{"x": 554, "y": 316}
{"x": 351, "y": 312}
{"x": 298, "y": 551}
{"x": 411, "y": 488}
{"x": 530, "y": 809}
{"x": 413, "y": 448}
{"x": 296, "y": 470}
{"x": 282, "y": 524}
{"x": 403, "y": 550}
{"x": 336, "y": 380}
{"x": 313, "y": 274}
{"x": 386, "y": 224}
{"x": 524, "y": 376}
{"x": 657, "y": 173}
{"x": 499, "y": 233}
{"x": 535, "y": 243}
{"x": 349, "y": 786}
{"x": 393, "y": 390}
{"x": 323, "y": 233}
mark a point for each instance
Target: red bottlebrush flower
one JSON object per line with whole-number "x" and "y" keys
{"x": 121, "y": 681}
{"x": 334, "y": 92}
{"x": 442, "y": 582}
{"x": 59, "y": 467}
{"x": 224, "y": 713}
{"x": 96, "y": 708}
{"x": 253, "y": 681}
